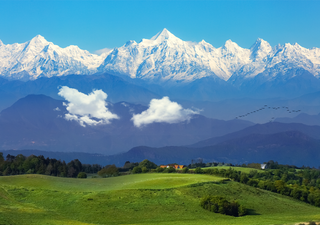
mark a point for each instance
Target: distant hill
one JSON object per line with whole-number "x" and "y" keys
{"x": 291, "y": 147}
{"x": 36, "y": 122}
{"x": 302, "y": 118}
{"x": 267, "y": 128}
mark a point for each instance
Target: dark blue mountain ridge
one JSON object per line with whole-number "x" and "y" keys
{"x": 267, "y": 128}
{"x": 33, "y": 123}
{"x": 289, "y": 147}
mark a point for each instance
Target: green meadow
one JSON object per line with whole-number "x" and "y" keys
{"x": 242, "y": 169}
{"x": 150, "y": 198}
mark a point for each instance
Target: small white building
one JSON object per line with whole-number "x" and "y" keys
{"x": 263, "y": 166}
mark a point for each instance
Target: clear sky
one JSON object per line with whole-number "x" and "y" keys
{"x": 98, "y": 24}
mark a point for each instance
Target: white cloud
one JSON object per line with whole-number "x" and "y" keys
{"x": 86, "y": 109}
{"x": 162, "y": 110}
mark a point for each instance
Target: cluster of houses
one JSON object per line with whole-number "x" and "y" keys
{"x": 173, "y": 166}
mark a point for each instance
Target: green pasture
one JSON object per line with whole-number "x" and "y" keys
{"x": 242, "y": 169}
{"x": 139, "y": 199}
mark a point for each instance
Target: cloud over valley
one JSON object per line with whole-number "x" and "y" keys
{"x": 88, "y": 109}
{"x": 162, "y": 111}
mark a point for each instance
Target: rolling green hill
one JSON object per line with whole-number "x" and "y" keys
{"x": 139, "y": 199}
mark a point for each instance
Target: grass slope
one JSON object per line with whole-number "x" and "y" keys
{"x": 139, "y": 199}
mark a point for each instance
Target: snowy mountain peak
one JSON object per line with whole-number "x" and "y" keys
{"x": 260, "y": 49}
{"x": 128, "y": 43}
{"x": 260, "y": 42}
{"x": 231, "y": 46}
{"x": 163, "y": 36}
{"x": 38, "y": 57}
{"x": 38, "y": 40}
{"x": 164, "y": 57}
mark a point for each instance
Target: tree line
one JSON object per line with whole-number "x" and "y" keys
{"x": 20, "y": 164}
{"x": 301, "y": 184}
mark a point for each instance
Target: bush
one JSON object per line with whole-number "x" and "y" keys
{"x": 137, "y": 169}
{"x": 148, "y": 164}
{"x": 242, "y": 210}
{"x": 198, "y": 170}
{"x": 82, "y": 175}
{"x": 109, "y": 171}
{"x": 219, "y": 204}
{"x": 185, "y": 170}
{"x": 169, "y": 170}
{"x": 160, "y": 169}
{"x": 144, "y": 170}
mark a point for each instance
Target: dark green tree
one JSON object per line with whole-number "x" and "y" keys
{"x": 82, "y": 175}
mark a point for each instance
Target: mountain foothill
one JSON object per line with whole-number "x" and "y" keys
{"x": 228, "y": 104}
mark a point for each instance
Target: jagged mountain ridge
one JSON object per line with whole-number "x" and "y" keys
{"x": 164, "y": 57}
{"x": 38, "y": 57}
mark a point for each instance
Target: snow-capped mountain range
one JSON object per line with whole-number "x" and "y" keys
{"x": 164, "y": 57}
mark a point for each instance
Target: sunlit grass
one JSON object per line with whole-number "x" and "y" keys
{"x": 139, "y": 199}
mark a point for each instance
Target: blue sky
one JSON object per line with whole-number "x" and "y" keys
{"x": 95, "y": 24}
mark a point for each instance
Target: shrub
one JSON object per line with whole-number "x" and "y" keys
{"x": 198, "y": 170}
{"x": 160, "y": 169}
{"x": 144, "y": 170}
{"x": 82, "y": 175}
{"x": 148, "y": 164}
{"x": 219, "y": 204}
{"x": 185, "y": 170}
{"x": 109, "y": 171}
{"x": 137, "y": 169}
{"x": 242, "y": 210}
{"x": 169, "y": 170}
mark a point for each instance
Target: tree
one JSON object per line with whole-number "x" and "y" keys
{"x": 49, "y": 170}
{"x": 148, "y": 164}
{"x": 169, "y": 170}
{"x": 219, "y": 204}
{"x": 82, "y": 175}
{"x": 160, "y": 169}
{"x": 137, "y": 169}
{"x": 1, "y": 157}
{"x": 72, "y": 172}
{"x": 185, "y": 170}
{"x": 243, "y": 178}
{"x": 109, "y": 171}
{"x": 198, "y": 170}
{"x": 280, "y": 186}
{"x": 144, "y": 170}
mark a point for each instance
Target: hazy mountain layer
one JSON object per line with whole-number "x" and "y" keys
{"x": 37, "y": 122}
{"x": 267, "y": 128}
{"x": 290, "y": 147}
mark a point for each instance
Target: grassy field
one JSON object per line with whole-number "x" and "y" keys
{"x": 242, "y": 169}
{"x": 139, "y": 199}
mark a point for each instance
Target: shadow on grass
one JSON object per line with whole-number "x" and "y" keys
{"x": 252, "y": 212}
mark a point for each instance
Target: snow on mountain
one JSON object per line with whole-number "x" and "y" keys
{"x": 164, "y": 57}
{"x": 167, "y": 57}
{"x": 38, "y": 57}
{"x": 278, "y": 61}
